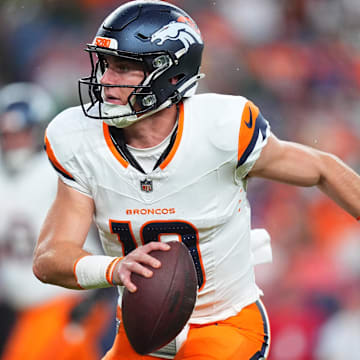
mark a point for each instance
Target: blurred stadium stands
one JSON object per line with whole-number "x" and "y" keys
{"x": 299, "y": 61}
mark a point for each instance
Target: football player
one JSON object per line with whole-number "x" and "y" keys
{"x": 27, "y": 188}
{"x": 151, "y": 161}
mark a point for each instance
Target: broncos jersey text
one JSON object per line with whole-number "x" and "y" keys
{"x": 196, "y": 195}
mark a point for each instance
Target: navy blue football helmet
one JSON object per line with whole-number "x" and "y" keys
{"x": 25, "y": 111}
{"x": 169, "y": 46}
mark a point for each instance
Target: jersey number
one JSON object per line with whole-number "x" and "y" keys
{"x": 152, "y": 231}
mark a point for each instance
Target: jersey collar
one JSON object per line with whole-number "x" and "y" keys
{"x": 122, "y": 156}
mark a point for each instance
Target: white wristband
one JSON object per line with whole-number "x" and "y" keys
{"x": 95, "y": 271}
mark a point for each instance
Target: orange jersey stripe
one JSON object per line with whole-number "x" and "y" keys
{"x": 112, "y": 147}
{"x": 247, "y": 127}
{"x": 171, "y": 154}
{"x": 53, "y": 159}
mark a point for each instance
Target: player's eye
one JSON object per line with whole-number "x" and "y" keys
{"x": 123, "y": 68}
{"x": 129, "y": 66}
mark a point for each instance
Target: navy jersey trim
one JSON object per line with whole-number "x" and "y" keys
{"x": 260, "y": 126}
{"x": 61, "y": 172}
{"x": 266, "y": 342}
{"x": 56, "y": 165}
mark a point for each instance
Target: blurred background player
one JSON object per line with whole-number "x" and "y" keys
{"x": 37, "y": 321}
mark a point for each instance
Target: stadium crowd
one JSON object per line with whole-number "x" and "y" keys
{"x": 299, "y": 61}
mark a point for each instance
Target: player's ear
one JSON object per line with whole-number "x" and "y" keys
{"x": 174, "y": 80}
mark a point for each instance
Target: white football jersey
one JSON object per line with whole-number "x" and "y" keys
{"x": 196, "y": 195}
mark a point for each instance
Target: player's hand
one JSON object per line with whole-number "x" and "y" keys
{"x": 133, "y": 263}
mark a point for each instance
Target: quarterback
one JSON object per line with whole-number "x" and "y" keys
{"x": 150, "y": 162}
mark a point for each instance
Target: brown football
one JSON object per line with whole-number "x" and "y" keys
{"x": 159, "y": 309}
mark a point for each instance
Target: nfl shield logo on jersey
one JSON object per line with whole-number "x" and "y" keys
{"x": 146, "y": 185}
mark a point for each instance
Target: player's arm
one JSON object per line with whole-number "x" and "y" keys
{"x": 301, "y": 165}
{"x": 60, "y": 259}
{"x": 62, "y": 237}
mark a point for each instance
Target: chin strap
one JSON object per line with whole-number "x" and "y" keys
{"x": 188, "y": 88}
{"x": 125, "y": 121}
{"x": 118, "y": 112}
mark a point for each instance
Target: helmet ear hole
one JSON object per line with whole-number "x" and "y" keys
{"x": 175, "y": 79}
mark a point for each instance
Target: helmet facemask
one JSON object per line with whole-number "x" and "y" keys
{"x": 165, "y": 40}
{"x": 141, "y": 102}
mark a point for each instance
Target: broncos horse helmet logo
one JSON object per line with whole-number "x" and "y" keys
{"x": 177, "y": 31}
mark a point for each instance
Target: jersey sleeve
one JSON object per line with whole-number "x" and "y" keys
{"x": 58, "y": 145}
{"x": 253, "y": 135}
